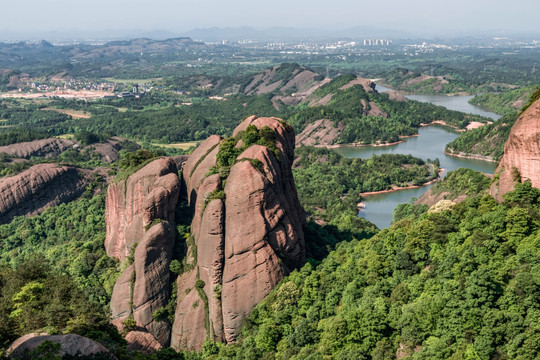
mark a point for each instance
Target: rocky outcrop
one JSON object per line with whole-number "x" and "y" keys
{"x": 142, "y": 341}
{"x": 139, "y": 218}
{"x": 521, "y": 159}
{"x": 368, "y": 85}
{"x": 320, "y": 132}
{"x": 248, "y": 235}
{"x": 39, "y": 148}
{"x": 284, "y": 78}
{"x": 70, "y": 345}
{"x": 39, "y": 187}
{"x": 430, "y": 199}
{"x": 109, "y": 150}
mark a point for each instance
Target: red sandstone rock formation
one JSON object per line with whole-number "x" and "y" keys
{"x": 41, "y": 148}
{"x": 142, "y": 341}
{"x": 38, "y": 188}
{"x": 521, "y": 159}
{"x": 246, "y": 235}
{"x": 247, "y": 239}
{"x": 139, "y": 218}
{"x": 70, "y": 344}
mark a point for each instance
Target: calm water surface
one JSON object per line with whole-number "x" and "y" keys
{"x": 458, "y": 103}
{"x": 429, "y": 144}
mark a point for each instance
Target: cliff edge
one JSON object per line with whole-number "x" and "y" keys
{"x": 521, "y": 159}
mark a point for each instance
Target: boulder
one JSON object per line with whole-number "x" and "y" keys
{"x": 70, "y": 344}
{"x": 142, "y": 341}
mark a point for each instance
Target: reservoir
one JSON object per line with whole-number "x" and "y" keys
{"x": 458, "y": 103}
{"x": 429, "y": 144}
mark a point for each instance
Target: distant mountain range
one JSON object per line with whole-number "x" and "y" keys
{"x": 216, "y": 34}
{"x": 290, "y": 34}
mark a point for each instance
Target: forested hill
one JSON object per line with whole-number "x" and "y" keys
{"x": 488, "y": 141}
{"x": 462, "y": 283}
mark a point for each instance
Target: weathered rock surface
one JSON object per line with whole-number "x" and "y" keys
{"x": 140, "y": 215}
{"x": 150, "y": 193}
{"x": 39, "y": 187}
{"x": 110, "y": 149}
{"x": 521, "y": 159}
{"x": 142, "y": 341}
{"x": 198, "y": 165}
{"x": 248, "y": 235}
{"x": 71, "y": 344}
{"x": 430, "y": 199}
{"x": 368, "y": 85}
{"x": 41, "y": 148}
{"x": 320, "y": 132}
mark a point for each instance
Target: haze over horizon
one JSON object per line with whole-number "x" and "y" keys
{"x": 35, "y": 19}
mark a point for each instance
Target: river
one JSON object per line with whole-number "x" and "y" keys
{"x": 429, "y": 144}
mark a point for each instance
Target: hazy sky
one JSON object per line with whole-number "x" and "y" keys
{"x": 435, "y": 16}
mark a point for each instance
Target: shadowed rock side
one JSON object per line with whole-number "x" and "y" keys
{"x": 38, "y": 188}
{"x": 521, "y": 159}
{"x": 139, "y": 218}
{"x": 248, "y": 236}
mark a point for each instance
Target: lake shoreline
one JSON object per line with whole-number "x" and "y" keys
{"x": 471, "y": 156}
{"x": 335, "y": 146}
{"x": 398, "y": 188}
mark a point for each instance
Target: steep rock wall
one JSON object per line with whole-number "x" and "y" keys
{"x": 38, "y": 188}
{"x": 521, "y": 159}
{"x": 248, "y": 235}
{"x": 139, "y": 218}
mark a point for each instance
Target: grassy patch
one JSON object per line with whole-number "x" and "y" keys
{"x": 182, "y": 145}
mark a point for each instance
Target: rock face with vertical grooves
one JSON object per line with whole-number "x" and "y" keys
{"x": 140, "y": 220}
{"x": 41, "y": 148}
{"x": 521, "y": 159}
{"x": 248, "y": 235}
{"x": 38, "y": 188}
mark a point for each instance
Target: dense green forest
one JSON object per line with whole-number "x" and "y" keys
{"x": 489, "y": 140}
{"x": 165, "y": 117}
{"x": 505, "y": 103}
{"x": 461, "y": 284}
{"x": 404, "y": 117}
{"x": 329, "y": 185}
{"x": 53, "y": 267}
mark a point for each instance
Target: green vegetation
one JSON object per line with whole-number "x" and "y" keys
{"x": 462, "y": 182}
{"x": 36, "y": 296}
{"x": 506, "y": 103}
{"x": 457, "y": 284}
{"x": 487, "y": 140}
{"x": 71, "y": 237}
{"x": 351, "y": 108}
{"x": 167, "y": 122}
{"x": 229, "y": 149}
{"x": 329, "y": 185}
{"x": 54, "y": 272}
{"x": 18, "y": 135}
